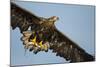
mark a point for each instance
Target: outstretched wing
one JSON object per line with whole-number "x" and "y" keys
{"x": 66, "y": 48}
{"x": 22, "y": 18}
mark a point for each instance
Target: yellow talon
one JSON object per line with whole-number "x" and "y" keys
{"x": 34, "y": 41}
{"x": 41, "y": 45}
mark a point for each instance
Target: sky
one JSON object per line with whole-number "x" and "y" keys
{"x": 75, "y": 21}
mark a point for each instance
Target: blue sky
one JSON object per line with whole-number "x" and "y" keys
{"x": 76, "y": 22}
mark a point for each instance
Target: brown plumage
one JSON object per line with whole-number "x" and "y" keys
{"x": 46, "y": 31}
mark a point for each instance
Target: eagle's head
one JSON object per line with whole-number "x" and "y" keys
{"x": 54, "y": 18}
{"x": 50, "y": 22}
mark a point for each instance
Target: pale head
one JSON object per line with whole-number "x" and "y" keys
{"x": 54, "y": 18}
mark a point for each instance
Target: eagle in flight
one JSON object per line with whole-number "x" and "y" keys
{"x": 41, "y": 34}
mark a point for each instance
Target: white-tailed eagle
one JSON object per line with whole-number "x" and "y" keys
{"x": 41, "y": 34}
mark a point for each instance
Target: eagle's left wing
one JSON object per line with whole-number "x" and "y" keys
{"x": 66, "y": 48}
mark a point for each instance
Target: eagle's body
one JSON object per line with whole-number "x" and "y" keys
{"x": 43, "y": 35}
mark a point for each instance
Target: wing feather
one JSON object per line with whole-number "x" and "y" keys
{"x": 66, "y": 48}
{"x": 22, "y": 18}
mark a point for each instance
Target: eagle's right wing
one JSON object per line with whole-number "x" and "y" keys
{"x": 22, "y": 18}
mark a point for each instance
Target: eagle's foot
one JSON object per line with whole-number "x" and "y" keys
{"x": 34, "y": 43}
